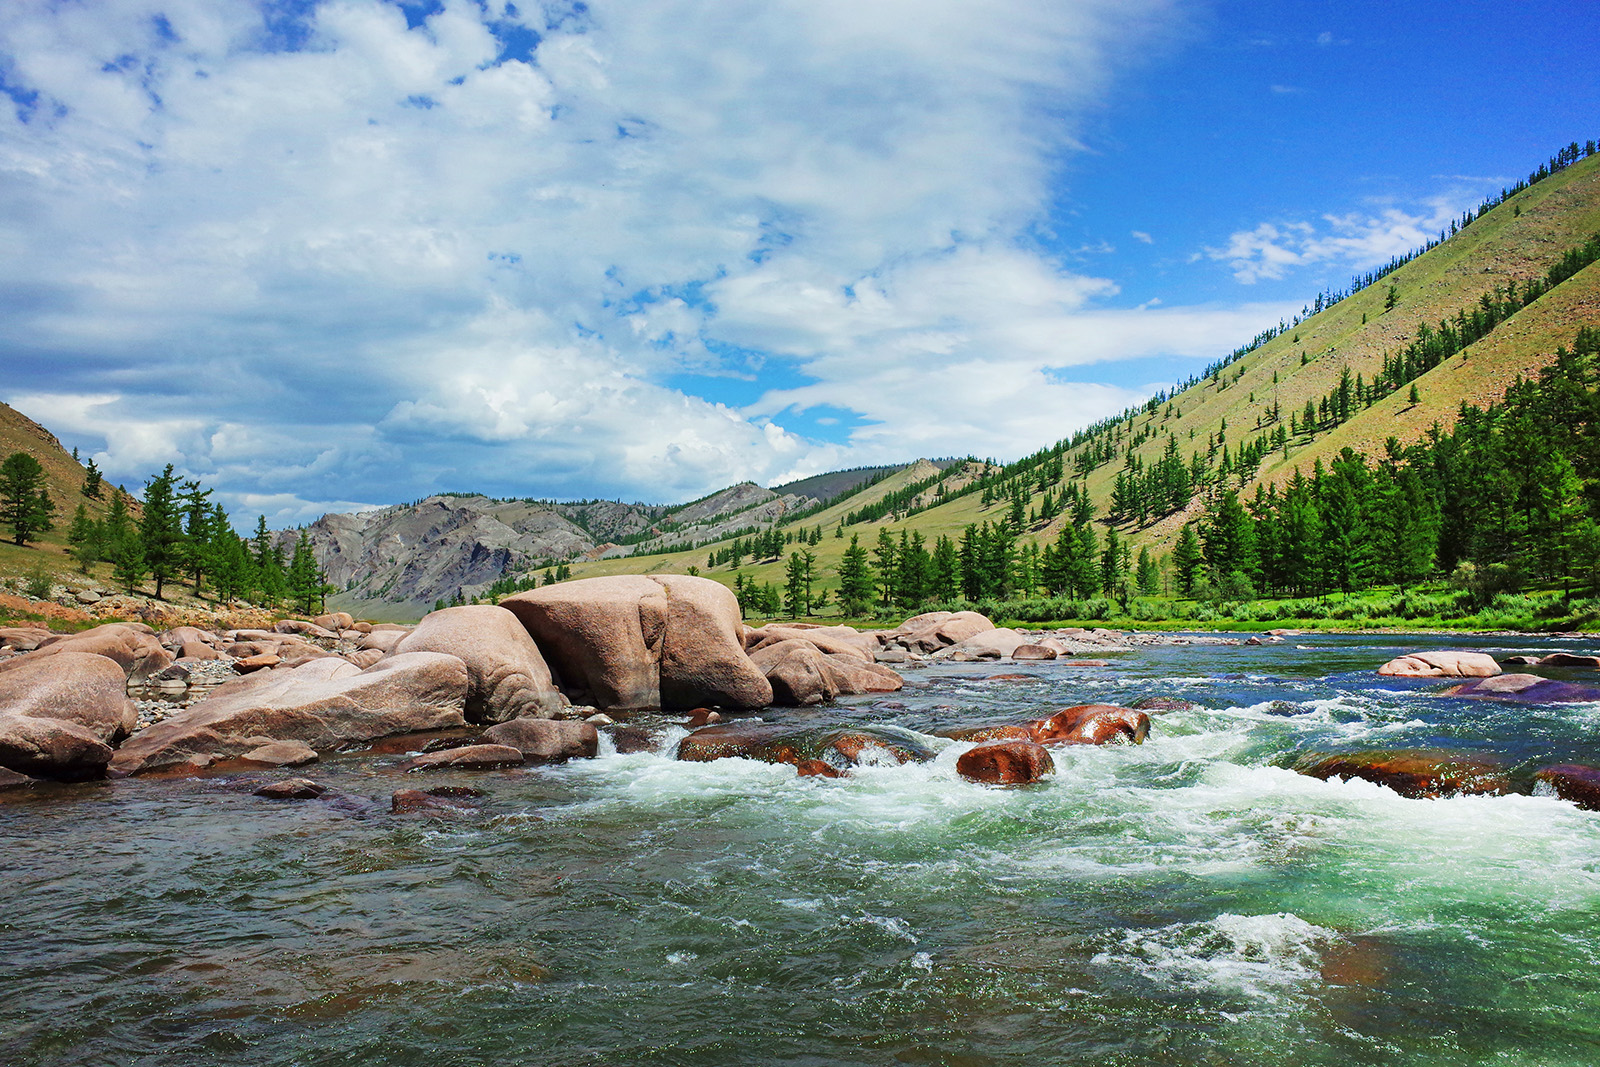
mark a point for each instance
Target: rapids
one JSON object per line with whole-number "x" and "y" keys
{"x": 1187, "y": 901}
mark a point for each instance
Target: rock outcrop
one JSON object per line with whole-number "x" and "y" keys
{"x": 60, "y": 714}
{"x": 510, "y": 679}
{"x": 630, "y": 641}
{"x": 1447, "y": 664}
{"x": 325, "y": 704}
{"x": 1419, "y": 774}
{"x": 1009, "y": 762}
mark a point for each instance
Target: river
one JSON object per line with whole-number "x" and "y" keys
{"x": 1188, "y": 901}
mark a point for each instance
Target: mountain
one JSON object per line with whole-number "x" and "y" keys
{"x": 64, "y": 480}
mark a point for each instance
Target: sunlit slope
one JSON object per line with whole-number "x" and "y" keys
{"x": 1516, "y": 241}
{"x": 64, "y": 479}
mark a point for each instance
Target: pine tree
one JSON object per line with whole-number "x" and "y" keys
{"x": 161, "y": 529}
{"x": 855, "y": 579}
{"x": 799, "y": 575}
{"x": 92, "y": 481}
{"x": 1148, "y": 575}
{"x": 885, "y": 558}
{"x": 25, "y": 503}
{"x": 127, "y": 560}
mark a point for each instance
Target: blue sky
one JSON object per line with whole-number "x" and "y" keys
{"x": 334, "y": 255}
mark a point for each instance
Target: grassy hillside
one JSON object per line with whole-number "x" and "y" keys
{"x": 1514, "y": 242}
{"x": 64, "y": 477}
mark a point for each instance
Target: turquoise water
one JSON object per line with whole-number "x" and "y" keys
{"x": 1188, "y": 901}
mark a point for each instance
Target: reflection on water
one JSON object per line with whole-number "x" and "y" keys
{"x": 1188, "y": 901}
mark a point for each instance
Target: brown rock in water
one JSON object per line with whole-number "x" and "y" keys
{"x": 1423, "y": 774}
{"x": 1445, "y": 664}
{"x": 61, "y": 714}
{"x": 326, "y": 704}
{"x": 471, "y": 757}
{"x": 292, "y": 789}
{"x": 1092, "y": 724}
{"x": 10, "y": 779}
{"x": 989, "y": 644}
{"x": 436, "y": 800}
{"x": 1005, "y": 763}
{"x": 1024, "y": 653}
{"x": 1164, "y": 704}
{"x": 1009, "y": 732}
{"x": 802, "y": 675}
{"x": 1572, "y": 781}
{"x": 702, "y": 717}
{"x": 815, "y": 768}
{"x": 1086, "y": 663}
{"x": 630, "y": 641}
{"x": 281, "y": 754}
{"x": 510, "y": 679}
{"x": 1525, "y": 689}
{"x": 546, "y": 740}
{"x": 838, "y": 747}
{"x": 1568, "y": 659}
{"x": 630, "y": 739}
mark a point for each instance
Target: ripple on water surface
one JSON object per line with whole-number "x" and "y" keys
{"x": 1187, "y": 901}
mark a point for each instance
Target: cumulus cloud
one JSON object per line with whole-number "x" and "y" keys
{"x": 357, "y": 252}
{"x": 1357, "y": 240}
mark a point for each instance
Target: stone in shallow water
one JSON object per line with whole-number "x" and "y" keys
{"x": 1572, "y": 781}
{"x": 1421, "y": 774}
{"x": 470, "y": 757}
{"x": 1164, "y": 704}
{"x": 1441, "y": 664}
{"x": 292, "y": 789}
{"x": 838, "y": 747}
{"x": 1092, "y": 724}
{"x": 442, "y": 799}
{"x": 1525, "y": 689}
{"x": 1011, "y": 762}
{"x": 546, "y": 740}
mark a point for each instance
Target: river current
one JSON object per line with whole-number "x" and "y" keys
{"x": 1187, "y": 901}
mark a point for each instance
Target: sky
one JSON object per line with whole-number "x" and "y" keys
{"x": 332, "y": 255}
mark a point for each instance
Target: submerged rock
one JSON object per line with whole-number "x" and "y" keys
{"x": 1569, "y": 659}
{"x": 1572, "y": 781}
{"x": 440, "y": 800}
{"x": 840, "y": 748}
{"x": 1012, "y": 762}
{"x": 1164, "y": 704}
{"x": 1525, "y": 689}
{"x": 1422, "y": 774}
{"x": 292, "y": 789}
{"x": 469, "y": 757}
{"x": 1445, "y": 664}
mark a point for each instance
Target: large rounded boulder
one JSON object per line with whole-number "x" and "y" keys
{"x": 510, "y": 678}
{"x": 1421, "y": 774}
{"x": 631, "y": 641}
{"x": 326, "y": 704}
{"x": 810, "y": 748}
{"x": 1443, "y": 664}
{"x": 60, "y": 714}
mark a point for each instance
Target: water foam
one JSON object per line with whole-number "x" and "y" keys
{"x": 1262, "y": 957}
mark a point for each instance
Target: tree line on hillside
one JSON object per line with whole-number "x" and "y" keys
{"x": 1511, "y": 492}
{"x": 176, "y": 534}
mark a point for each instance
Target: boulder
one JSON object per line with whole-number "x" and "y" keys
{"x": 1447, "y": 664}
{"x": 335, "y": 621}
{"x": 1570, "y": 781}
{"x": 469, "y": 757}
{"x": 440, "y": 800}
{"x": 23, "y": 638}
{"x": 259, "y": 662}
{"x": 292, "y": 789}
{"x": 1419, "y": 774}
{"x": 1092, "y": 724}
{"x": 630, "y": 641}
{"x": 382, "y": 640}
{"x": 935, "y": 630}
{"x": 61, "y": 714}
{"x": 1569, "y": 659}
{"x": 326, "y": 704}
{"x": 10, "y": 779}
{"x": 1025, "y": 653}
{"x": 180, "y": 636}
{"x": 839, "y": 748}
{"x": 125, "y": 643}
{"x": 801, "y": 674}
{"x": 546, "y": 740}
{"x": 197, "y": 650}
{"x": 1525, "y": 689}
{"x": 1164, "y": 704}
{"x": 1007, "y": 732}
{"x": 281, "y": 754}
{"x": 833, "y": 640}
{"x": 364, "y": 657}
{"x": 510, "y": 679}
{"x": 302, "y": 628}
{"x": 1010, "y": 762}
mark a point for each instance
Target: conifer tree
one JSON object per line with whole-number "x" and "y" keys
{"x": 25, "y": 503}
{"x": 161, "y": 529}
{"x": 855, "y": 579}
{"x": 92, "y": 480}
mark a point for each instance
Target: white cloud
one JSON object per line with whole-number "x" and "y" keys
{"x": 1141, "y": 237}
{"x": 347, "y": 260}
{"x": 1358, "y": 240}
